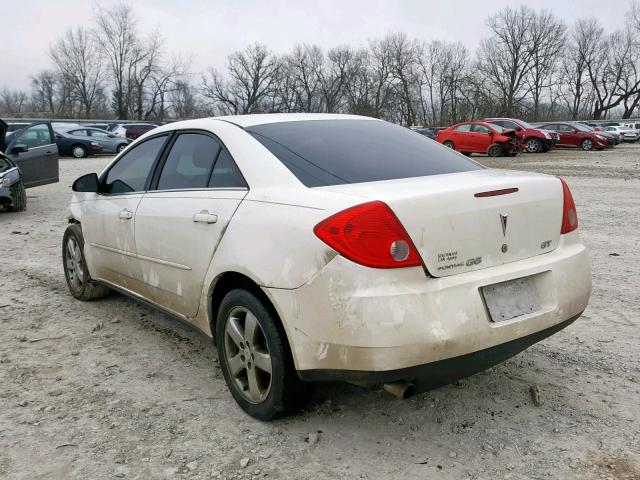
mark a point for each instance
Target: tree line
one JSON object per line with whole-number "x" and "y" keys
{"x": 530, "y": 65}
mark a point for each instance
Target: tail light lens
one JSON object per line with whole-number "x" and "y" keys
{"x": 369, "y": 234}
{"x": 569, "y": 213}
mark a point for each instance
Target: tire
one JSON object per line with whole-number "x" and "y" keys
{"x": 121, "y": 147}
{"x": 586, "y": 144}
{"x": 76, "y": 273}
{"x": 466, "y": 154}
{"x": 494, "y": 150}
{"x": 533, "y": 145}
{"x": 79, "y": 151}
{"x": 19, "y": 195}
{"x": 449, "y": 144}
{"x": 270, "y": 395}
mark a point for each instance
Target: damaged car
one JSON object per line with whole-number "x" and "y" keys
{"x": 13, "y": 196}
{"x": 322, "y": 247}
{"x": 480, "y": 137}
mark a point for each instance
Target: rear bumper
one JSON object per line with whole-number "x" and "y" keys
{"x": 350, "y": 318}
{"x": 440, "y": 372}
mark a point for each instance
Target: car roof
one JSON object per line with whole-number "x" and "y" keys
{"x": 264, "y": 118}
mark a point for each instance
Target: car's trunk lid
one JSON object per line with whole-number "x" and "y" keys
{"x": 459, "y": 223}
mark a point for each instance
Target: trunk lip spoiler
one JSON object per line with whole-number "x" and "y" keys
{"x": 494, "y": 193}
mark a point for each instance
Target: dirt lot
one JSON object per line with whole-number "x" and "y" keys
{"x": 112, "y": 389}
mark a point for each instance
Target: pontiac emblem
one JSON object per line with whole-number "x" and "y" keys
{"x": 503, "y": 222}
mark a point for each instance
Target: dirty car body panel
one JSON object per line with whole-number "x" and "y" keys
{"x": 483, "y": 263}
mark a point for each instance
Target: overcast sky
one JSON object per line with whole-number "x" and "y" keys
{"x": 209, "y": 30}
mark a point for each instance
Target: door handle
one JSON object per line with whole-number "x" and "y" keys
{"x": 48, "y": 154}
{"x": 205, "y": 217}
{"x": 126, "y": 214}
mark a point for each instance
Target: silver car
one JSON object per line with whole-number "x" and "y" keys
{"x": 628, "y": 134}
{"x": 110, "y": 143}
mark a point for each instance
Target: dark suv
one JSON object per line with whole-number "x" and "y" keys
{"x": 131, "y": 130}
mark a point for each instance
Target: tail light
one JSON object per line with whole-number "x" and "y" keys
{"x": 569, "y": 213}
{"x": 369, "y": 234}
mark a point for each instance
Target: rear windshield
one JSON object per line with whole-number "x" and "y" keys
{"x": 334, "y": 152}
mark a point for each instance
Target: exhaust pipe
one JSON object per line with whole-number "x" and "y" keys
{"x": 402, "y": 390}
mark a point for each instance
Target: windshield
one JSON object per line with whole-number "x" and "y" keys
{"x": 582, "y": 128}
{"x": 334, "y": 152}
{"x": 524, "y": 124}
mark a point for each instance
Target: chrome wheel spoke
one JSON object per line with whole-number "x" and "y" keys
{"x": 236, "y": 365}
{"x": 255, "y": 392}
{"x": 250, "y": 328}
{"x": 262, "y": 361}
{"x": 234, "y": 333}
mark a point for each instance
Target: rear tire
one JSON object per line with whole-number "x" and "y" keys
{"x": 494, "y": 150}
{"x": 79, "y": 151}
{"x": 19, "y": 196}
{"x": 76, "y": 273}
{"x": 449, "y": 144}
{"x": 121, "y": 147}
{"x": 251, "y": 341}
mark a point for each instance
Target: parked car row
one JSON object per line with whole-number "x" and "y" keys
{"x": 508, "y": 136}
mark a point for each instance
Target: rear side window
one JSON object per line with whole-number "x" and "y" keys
{"x": 463, "y": 128}
{"x": 333, "y": 152}
{"x": 130, "y": 172}
{"x": 226, "y": 173}
{"x": 189, "y": 163}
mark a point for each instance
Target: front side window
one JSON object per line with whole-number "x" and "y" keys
{"x": 480, "y": 129}
{"x": 35, "y": 136}
{"x": 333, "y": 152}
{"x": 130, "y": 172}
{"x": 565, "y": 128}
{"x": 189, "y": 163}
{"x": 98, "y": 134}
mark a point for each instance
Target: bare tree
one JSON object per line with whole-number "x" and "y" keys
{"x": 506, "y": 57}
{"x": 404, "y": 54}
{"x": 547, "y": 41}
{"x": 13, "y": 102}
{"x": 78, "y": 60}
{"x": 117, "y": 35}
{"x": 252, "y": 78}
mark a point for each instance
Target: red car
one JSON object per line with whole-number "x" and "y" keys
{"x": 480, "y": 137}
{"x": 575, "y": 135}
{"x": 533, "y": 139}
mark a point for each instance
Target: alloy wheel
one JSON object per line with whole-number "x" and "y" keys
{"x": 533, "y": 146}
{"x": 74, "y": 263}
{"x": 247, "y": 355}
{"x": 586, "y": 145}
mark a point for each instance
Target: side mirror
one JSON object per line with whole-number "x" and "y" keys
{"x": 519, "y": 129}
{"x": 87, "y": 183}
{"x": 19, "y": 148}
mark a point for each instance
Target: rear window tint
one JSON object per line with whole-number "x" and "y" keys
{"x": 334, "y": 152}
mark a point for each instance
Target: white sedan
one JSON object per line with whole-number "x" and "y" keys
{"x": 329, "y": 247}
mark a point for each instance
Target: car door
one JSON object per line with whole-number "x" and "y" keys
{"x": 108, "y": 216}
{"x": 180, "y": 222}
{"x": 481, "y": 138}
{"x": 36, "y": 154}
{"x": 568, "y": 135}
{"x": 461, "y": 137}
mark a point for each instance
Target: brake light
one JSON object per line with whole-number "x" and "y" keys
{"x": 569, "y": 213}
{"x": 369, "y": 234}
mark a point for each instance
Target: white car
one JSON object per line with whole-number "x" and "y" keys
{"x": 628, "y": 134}
{"x": 329, "y": 247}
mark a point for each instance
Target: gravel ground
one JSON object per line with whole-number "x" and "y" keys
{"x": 113, "y": 389}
